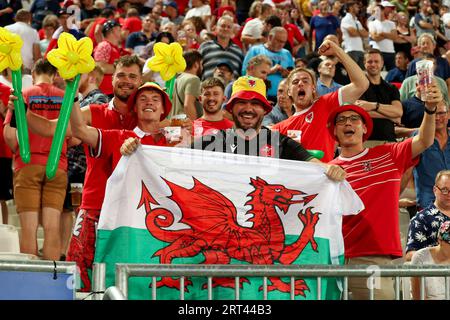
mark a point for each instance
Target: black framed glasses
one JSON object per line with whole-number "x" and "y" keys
{"x": 444, "y": 190}
{"x": 343, "y": 119}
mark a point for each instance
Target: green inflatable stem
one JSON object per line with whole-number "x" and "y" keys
{"x": 318, "y": 154}
{"x": 61, "y": 127}
{"x": 21, "y": 120}
{"x": 170, "y": 84}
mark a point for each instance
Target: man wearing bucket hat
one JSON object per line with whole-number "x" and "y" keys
{"x": 248, "y": 106}
{"x": 151, "y": 105}
{"x": 373, "y": 237}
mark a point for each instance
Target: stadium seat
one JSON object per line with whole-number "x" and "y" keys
{"x": 9, "y": 239}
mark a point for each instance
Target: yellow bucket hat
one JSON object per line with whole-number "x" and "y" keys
{"x": 248, "y": 88}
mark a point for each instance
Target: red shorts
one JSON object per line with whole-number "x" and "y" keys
{"x": 82, "y": 245}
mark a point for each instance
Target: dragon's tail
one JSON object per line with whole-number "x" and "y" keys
{"x": 162, "y": 218}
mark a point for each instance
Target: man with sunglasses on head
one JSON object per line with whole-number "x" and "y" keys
{"x": 373, "y": 237}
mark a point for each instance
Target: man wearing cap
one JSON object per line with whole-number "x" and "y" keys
{"x": 373, "y": 237}
{"x": 171, "y": 9}
{"x": 224, "y": 71}
{"x": 312, "y": 111}
{"x": 248, "y": 106}
{"x": 108, "y": 51}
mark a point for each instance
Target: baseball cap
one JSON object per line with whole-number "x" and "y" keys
{"x": 386, "y": 4}
{"x": 151, "y": 86}
{"x": 350, "y": 107}
{"x": 248, "y": 88}
{"x": 225, "y": 63}
{"x": 109, "y": 25}
{"x": 63, "y": 11}
{"x": 172, "y": 4}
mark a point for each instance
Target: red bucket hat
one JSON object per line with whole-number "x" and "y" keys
{"x": 350, "y": 107}
{"x": 167, "y": 105}
{"x": 248, "y": 88}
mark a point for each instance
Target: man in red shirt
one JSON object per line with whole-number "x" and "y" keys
{"x": 5, "y": 157}
{"x": 372, "y": 237}
{"x": 33, "y": 192}
{"x": 309, "y": 121}
{"x": 96, "y": 28}
{"x": 151, "y": 105}
{"x": 107, "y": 52}
{"x": 211, "y": 97}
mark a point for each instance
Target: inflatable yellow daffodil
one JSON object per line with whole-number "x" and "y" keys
{"x": 10, "y": 45}
{"x": 168, "y": 60}
{"x": 72, "y": 57}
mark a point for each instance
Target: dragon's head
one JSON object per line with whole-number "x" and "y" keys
{"x": 275, "y": 194}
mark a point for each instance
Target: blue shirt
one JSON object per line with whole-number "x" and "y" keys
{"x": 282, "y": 57}
{"x": 276, "y": 115}
{"x": 442, "y": 70}
{"x": 413, "y": 110}
{"x": 424, "y": 227}
{"x": 323, "y": 89}
{"x": 323, "y": 27}
{"x": 431, "y": 162}
{"x": 395, "y": 75}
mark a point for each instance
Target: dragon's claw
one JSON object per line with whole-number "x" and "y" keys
{"x": 226, "y": 282}
{"x": 172, "y": 283}
{"x": 300, "y": 287}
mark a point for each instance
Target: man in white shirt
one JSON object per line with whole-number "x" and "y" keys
{"x": 30, "y": 49}
{"x": 353, "y": 33}
{"x": 253, "y": 29}
{"x": 383, "y": 32}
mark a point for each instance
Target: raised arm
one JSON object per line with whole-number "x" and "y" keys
{"x": 81, "y": 130}
{"x": 358, "y": 80}
{"x": 425, "y": 137}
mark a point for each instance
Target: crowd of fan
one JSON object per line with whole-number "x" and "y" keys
{"x": 225, "y": 39}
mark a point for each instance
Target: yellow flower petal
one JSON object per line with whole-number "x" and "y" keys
{"x": 85, "y": 47}
{"x": 180, "y": 64}
{"x": 57, "y": 58}
{"x": 67, "y": 72}
{"x": 4, "y": 62}
{"x": 66, "y": 42}
{"x": 15, "y": 58}
{"x": 16, "y": 42}
{"x": 86, "y": 64}
{"x": 161, "y": 49}
{"x": 156, "y": 63}
{"x": 176, "y": 50}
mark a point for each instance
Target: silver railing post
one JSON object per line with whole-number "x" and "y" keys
{"x": 98, "y": 280}
{"x": 122, "y": 279}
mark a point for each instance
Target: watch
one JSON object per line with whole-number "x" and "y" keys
{"x": 431, "y": 111}
{"x": 377, "y": 106}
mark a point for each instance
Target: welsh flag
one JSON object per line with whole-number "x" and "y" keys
{"x": 171, "y": 205}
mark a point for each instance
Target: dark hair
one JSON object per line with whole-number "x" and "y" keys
{"x": 128, "y": 61}
{"x": 273, "y": 20}
{"x": 43, "y": 66}
{"x": 373, "y": 51}
{"x": 106, "y": 13}
{"x": 212, "y": 82}
{"x": 191, "y": 57}
{"x": 164, "y": 35}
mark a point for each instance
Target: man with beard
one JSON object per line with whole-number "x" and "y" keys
{"x": 312, "y": 111}
{"x": 248, "y": 106}
{"x": 212, "y": 120}
{"x": 187, "y": 88}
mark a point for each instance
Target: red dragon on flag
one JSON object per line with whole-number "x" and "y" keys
{"x": 216, "y": 234}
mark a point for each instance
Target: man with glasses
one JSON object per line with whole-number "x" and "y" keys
{"x": 433, "y": 160}
{"x": 373, "y": 237}
{"x": 424, "y": 226}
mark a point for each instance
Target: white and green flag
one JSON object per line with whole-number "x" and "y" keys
{"x": 183, "y": 206}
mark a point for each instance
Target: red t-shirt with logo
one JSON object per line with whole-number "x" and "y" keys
{"x": 110, "y": 141}
{"x": 45, "y": 100}
{"x": 98, "y": 21}
{"x": 312, "y": 123}
{"x": 98, "y": 170}
{"x": 204, "y": 127}
{"x": 375, "y": 175}
{"x": 106, "y": 52}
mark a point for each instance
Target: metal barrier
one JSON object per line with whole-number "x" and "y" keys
{"x": 125, "y": 271}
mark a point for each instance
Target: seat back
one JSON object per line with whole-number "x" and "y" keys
{"x": 9, "y": 239}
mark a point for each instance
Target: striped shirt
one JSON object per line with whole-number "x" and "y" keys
{"x": 375, "y": 176}
{"x": 213, "y": 53}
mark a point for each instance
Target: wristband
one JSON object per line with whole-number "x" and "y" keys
{"x": 75, "y": 100}
{"x": 431, "y": 111}
{"x": 377, "y": 106}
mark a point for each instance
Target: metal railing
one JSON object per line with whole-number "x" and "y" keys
{"x": 125, "y": 271}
